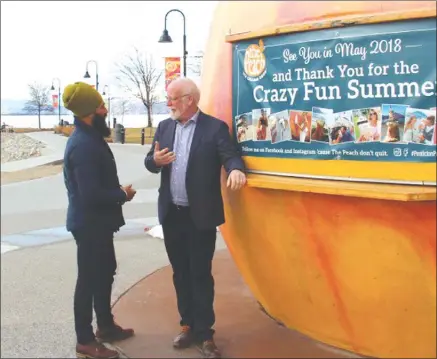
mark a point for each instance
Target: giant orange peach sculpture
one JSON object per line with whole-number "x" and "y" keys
{"x": 354, "y": 271}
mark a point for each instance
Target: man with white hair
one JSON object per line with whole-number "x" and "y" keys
{"x": 189, "y": 150}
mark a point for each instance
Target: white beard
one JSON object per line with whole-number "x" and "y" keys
{"x": 175, "y": 114}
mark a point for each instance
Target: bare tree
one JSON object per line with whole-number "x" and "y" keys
{"x": 39, "y": 102}
{"x": 121, "y": 107}
{"x": 194, "y": 63}
{"x": 140, "y": 77}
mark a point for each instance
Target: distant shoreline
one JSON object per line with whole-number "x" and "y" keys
{"x": 32, "y": 114}
{"x": 52, "y": 120}
{"x": 69, "y": 114}
{"x": 136, "y": 107}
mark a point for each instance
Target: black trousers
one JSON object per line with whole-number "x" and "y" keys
{"x": 96, "y": 269}
{"x": 190, "y": 252}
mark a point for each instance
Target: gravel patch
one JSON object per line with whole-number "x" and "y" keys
{"x": 18, "y": 146}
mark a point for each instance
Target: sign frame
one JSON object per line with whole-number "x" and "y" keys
{"x": 344, "y": 170}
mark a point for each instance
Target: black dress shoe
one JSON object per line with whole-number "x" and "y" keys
{"x": 114, "y": 333}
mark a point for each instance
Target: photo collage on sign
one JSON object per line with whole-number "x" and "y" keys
{"x": 388, "y": 123}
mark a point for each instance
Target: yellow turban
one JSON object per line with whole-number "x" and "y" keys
{"x": 81, "y": 99}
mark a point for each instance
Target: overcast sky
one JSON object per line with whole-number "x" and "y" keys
{"x": 44, "y": 39}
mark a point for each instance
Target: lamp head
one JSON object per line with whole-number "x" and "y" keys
{"x": 87, "y": 75}
{"x": 165, "y": 37}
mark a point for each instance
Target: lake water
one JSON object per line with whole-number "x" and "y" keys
{"x": 50, "y": 121}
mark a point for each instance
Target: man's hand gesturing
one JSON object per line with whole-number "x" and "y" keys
{"x": 162, "y": 157}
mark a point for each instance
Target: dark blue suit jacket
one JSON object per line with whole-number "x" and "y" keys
{"x": 90, "y": 175}
{"x": 211, "y": 148}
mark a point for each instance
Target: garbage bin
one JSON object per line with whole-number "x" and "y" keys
{"x": 119, "y": 134}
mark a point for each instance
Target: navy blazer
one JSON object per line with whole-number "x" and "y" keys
{"x": 211, "y": 148}
{"x": 90, "y": 175}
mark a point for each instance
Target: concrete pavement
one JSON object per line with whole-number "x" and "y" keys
{"x": 31, "y": 163}
{"x": 133, "y": 228}
{"x": 52, "y": 153}
{"x": 54, "y": 142}
{"x": 37, "y": 293}
{"x": 7, "y": 248}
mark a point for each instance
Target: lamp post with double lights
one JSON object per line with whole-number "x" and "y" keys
{"x": 87, "y": 75}
{"x": 106, "y": 92}
{"x": 165, "y": 38}
{"x": 59, "y": 97}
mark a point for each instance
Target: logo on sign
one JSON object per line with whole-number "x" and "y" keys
{"x": 255, "y": 62}
{"x": 397, "y": 152}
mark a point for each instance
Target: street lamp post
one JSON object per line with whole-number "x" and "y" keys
{"x": 106, "y": 91}
{"x": 87, "y": 75}
{"x": 59, "y": 97}
{"x": 165, "y": 38}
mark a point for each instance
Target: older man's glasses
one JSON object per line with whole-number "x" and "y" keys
{"x": 173, "y": 99}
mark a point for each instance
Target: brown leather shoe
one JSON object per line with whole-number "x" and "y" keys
{"x": 184, "y": 339}
{"x": 95, "y": 350}
{"x": 208, "y": 349}
{"x": 113, "y": 334}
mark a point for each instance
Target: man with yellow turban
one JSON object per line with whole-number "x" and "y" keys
{"x": 94, "y": 213}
